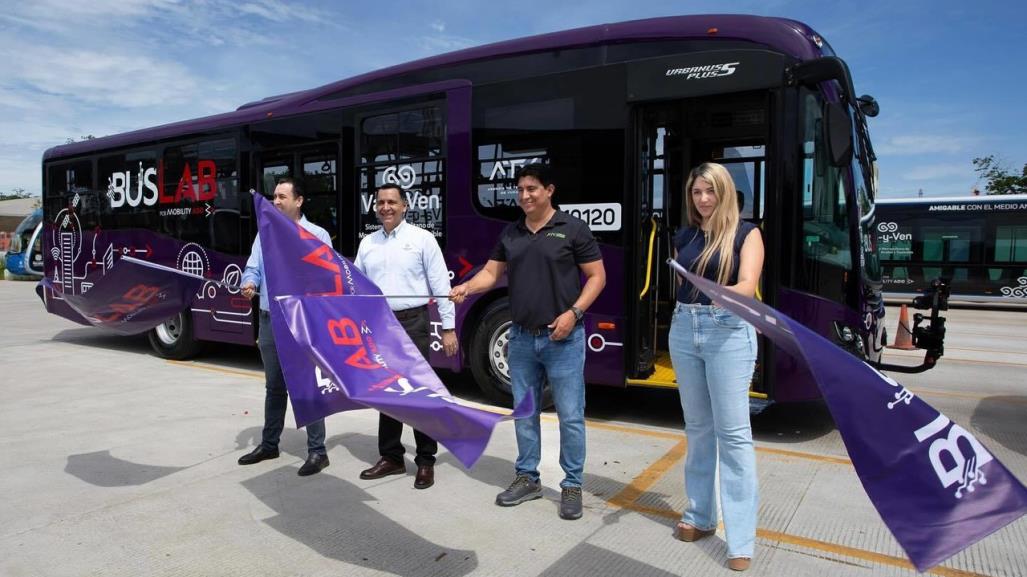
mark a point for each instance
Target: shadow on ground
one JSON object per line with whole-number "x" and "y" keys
{"x": 336, "y": 519}
{"x": 102, "y": 469}
{"x": 1001, "y": 419}
{"x": 793, "y": 423}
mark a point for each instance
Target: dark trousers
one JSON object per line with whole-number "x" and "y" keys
{"x": 415, "y": 322}
{"x": 276, "y": 396}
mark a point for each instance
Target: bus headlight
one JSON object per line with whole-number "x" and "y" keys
{"x": 849, "y": 339}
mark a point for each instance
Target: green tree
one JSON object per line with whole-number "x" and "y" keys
{"x": 999, "y": 179}
{"x": 70, "y": 140}
{"x": 16, "y": 192}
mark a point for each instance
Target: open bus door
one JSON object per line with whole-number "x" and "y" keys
{"x": 658, "y": 174}
{"x": 671, "y": 138}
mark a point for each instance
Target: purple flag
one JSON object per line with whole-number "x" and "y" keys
{"x": 134, "y": 296}
{"x": 298, "y": 263}
{"x": 937, "y": 488}
{"x": 320, "y": 382}
{"x": 360, "y": 344}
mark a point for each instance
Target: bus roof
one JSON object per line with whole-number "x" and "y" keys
{"x": 988, "y": 198}
{"x": 789, "y": 37}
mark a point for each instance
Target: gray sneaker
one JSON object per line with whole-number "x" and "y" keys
{"x": 570, "y": 503}
{"x": 521, "y": 490}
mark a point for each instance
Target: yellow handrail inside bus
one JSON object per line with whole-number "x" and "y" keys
{"x": 649, "y": 259}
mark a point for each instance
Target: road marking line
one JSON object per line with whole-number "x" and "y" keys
{"x": 627, "y": 497}
{"x": 680, "y": 436}
{"x": 624, "y": 428}
{"x": 649, "y": 476}
{"x": 973, "y": 350}
{"x": 972, "y": 396}
{"x": 857, "y": 553}
{"x": 807, "y": 456}
{"x": 214, "y": 369}
{"x": 944, "y": 360}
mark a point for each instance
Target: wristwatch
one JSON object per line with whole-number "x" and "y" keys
{"x": 578, "y": 313}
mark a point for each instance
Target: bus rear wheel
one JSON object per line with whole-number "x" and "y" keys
{"x": 173, "y": 338}
{"x": 488, "y": 351}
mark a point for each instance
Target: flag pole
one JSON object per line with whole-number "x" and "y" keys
{"x": 183, "y": 273}
{"x": 446, "y": 297}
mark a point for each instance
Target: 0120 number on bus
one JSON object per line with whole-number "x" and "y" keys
{"x": 598, "y": 216}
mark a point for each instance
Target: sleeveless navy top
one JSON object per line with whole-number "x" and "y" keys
{"x": 690, "y": 243}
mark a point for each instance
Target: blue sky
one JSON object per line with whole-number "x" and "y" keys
{"x": 948, "y": 75}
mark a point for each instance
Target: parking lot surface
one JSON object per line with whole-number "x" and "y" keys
{"x": 116, "y": 462}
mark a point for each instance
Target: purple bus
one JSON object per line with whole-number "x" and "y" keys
{"x": 622, "y": 111}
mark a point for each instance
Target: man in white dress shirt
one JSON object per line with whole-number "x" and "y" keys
{"x": 404, "y": 259}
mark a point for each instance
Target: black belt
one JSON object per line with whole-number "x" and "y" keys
{"x": 410, "y": 313}
{"x": 537, "y": 331}
{"x": 542, "y": 330}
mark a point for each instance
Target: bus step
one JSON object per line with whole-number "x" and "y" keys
{"x": 758, "y": 405}
{"x": 663, "y": 377}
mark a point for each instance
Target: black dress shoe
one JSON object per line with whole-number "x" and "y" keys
{"x": 425, "y": 477}
{"x": 257, "y": 455}
{"x": 383, "y": 468}
{"x": 314, "y": 464}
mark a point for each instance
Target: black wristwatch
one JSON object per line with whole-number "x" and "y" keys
{"x": 578, "y": 313}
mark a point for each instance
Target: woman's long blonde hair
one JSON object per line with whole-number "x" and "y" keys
{"x": 723, "y": 223}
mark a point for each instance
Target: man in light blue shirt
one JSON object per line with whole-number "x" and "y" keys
{"x": 288, "y": 199}
{"x": 404, "y": 259}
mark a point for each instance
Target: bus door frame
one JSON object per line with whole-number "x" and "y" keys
{"x": 646, "y": 119}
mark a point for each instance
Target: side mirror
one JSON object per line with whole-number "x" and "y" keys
{"x": 820, "y": 70}
{"x": 869, "y": 106}
{"x": 838, "y": 128}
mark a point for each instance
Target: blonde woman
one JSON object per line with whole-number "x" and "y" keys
{"x": 714, "y": 352}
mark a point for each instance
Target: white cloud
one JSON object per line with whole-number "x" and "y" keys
{"x": 281, "y": 11}
{"x": 129, "y": 80}
{"x": 72, "y": 15}
{"x": 20, "y": 135}
{"x": 915, "y": 144}
{"x": 438, "y": 26}
{"x": 937, "y": 171}
{"x": 441, "y": 43}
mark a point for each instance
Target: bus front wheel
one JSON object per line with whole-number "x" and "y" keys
{"x": 488, "y": 356}
{"x": 173, "y": 338}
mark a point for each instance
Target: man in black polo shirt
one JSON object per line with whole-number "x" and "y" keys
{"x": 544, "y": 254}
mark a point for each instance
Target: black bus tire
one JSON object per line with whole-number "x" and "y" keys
{"x": 173, "y": 339}
{"x": 488, "y": 356}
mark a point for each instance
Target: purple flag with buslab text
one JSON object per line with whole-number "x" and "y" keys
{"x": 134, "y": 296}
{"x": 937, "y": 488}
{"x": 358, "y": 342}
{"x": 298, "y": 263}
{"x": 308, "y": 280}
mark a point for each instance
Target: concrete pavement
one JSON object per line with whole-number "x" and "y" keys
{"x": 115, "y": 462}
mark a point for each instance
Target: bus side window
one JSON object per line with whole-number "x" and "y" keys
{"x": 826, "y": 256}
{"x": 824, "y": 206}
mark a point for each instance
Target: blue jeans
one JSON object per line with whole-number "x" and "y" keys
{"x": 276, "y": 396}
{"x": 533, "y": 359}
{"x": 714, "y": 352}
